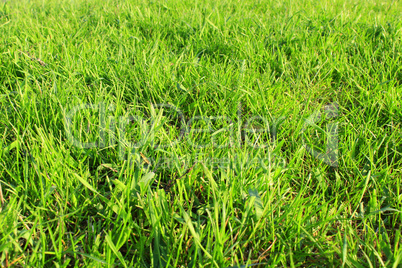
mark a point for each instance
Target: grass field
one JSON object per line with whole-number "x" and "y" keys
{"x": 200, "y": 133}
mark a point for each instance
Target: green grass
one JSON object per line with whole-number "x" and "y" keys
{"x": 169, "y": 202}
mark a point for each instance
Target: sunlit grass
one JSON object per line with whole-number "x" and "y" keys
{"x": 217, "y": 96}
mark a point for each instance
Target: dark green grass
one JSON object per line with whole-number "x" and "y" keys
{"x": 66, "y": 206}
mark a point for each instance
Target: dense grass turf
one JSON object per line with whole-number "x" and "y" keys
{"x": 253, "y": 184}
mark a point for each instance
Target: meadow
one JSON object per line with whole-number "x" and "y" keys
{"x": 200, "y": 133}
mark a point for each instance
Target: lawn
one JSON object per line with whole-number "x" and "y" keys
{"x": 200, "y": 133}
